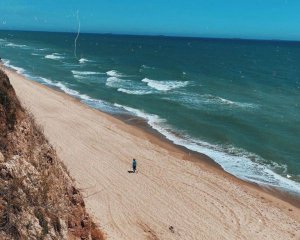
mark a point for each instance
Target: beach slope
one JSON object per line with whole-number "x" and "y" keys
{"x": 174, "y": 195}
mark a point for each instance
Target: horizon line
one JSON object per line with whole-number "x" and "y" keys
{"x": 157, "y": 35}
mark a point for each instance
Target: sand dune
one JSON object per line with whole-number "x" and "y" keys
{"x": 173, "y": 195}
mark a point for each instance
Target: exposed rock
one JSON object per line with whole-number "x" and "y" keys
{"x": 38, "y": 199}
{"x": 2, "y": 159}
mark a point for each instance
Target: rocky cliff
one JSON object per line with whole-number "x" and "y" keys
{"x": 38, "y": 199}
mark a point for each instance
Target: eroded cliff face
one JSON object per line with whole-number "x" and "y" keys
{"x": 38, "y": 199}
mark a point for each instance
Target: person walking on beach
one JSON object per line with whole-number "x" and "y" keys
{"x": 134, "y": 165}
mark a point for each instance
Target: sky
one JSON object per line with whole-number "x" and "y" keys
{"x": 257, "y": 19}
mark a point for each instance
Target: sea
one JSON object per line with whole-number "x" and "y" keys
{"x": 237, "y": 101}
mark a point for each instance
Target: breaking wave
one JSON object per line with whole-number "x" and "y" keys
{"x": 95, "y": 103}
{"x": 198, "y": 101}
{"x": 85, "y": 73}
{"x": 114, "y": 73}
{"x": 54, "y": 56}
{"x": 164, "y": 85}
{"x": 19, "y": 70}
{"x": 134, "y": 92}
{"x": 115, "y": 82}
{"x": 83, "y": 60}
{"x": 218, "y": 100}
{"x": 13, "y": 45}
{"x": 233, "y": 160}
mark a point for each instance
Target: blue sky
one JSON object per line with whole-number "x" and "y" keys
{"x": 261, "y": 19}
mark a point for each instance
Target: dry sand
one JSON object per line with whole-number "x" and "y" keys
{"x": 173, "y": 195}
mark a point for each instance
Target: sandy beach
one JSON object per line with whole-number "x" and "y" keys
{"x": 174, "y": 194}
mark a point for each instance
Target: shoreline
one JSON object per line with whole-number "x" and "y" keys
{"x": 142, "y": 123}
{"x": 140, "y": 129}
{"x": 196, "y": 156}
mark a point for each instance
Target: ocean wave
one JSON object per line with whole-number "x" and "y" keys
{"x": 134, "y": 92}
{"x": 127, "y": 86}
{"x": 218, "y": 100}
{"x": 54, "y": 56}
{"x": 153, "y": 120}
{"x": 47, "y": 81}
{"x": 198, "y": 101}
{"x": 71, "y": 91}
{"x": 115, "y": 82}
{"x": 64, "y": 88}
{"x": 94, "y": 103}
{"x": 85, "y": 73}
{"x": 19, "y": 70}
{"x": 164, "y": 85}
{"x": 83, "y": 60}
{"x": 13, "y": 45}
{"x": 114, "y": 73}
{"x": 233, "y": 160}
{"x": 79, "y": 76}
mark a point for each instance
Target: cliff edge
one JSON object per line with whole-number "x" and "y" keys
{"x": 38, "y": 199}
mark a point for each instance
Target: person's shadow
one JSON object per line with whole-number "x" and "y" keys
{"x": 130, "y": 171}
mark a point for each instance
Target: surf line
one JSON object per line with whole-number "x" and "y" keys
{"x": 78, "y": 32}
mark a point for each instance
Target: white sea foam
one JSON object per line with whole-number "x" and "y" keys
{"x": 83, "y": 60}
{"x": 13, "y": 45}
{"x": 85, "y": 73}
{"x": 164, "y": 85}
{"x": 65, "y": 89}
{"x": 218, "y": 100}
{"x": 134, "y": 92}
{"x": 233, "y": 160}
{"x": 115, "y": 82}
{"x": 79, "y": 76}
{"x": 95, "y": 103}
{"x": 114, "y": 73}
{"x": 127, "y": 86}
{"x": 198, "y": 101}
{"x": 54, "y": 56}
{"x": 70, "y": 91}
{"x": 6, "y": 62}
{"x": 153, "y": 120}
{"x": 17, "y": 69}
{"x": 49, "y": 82}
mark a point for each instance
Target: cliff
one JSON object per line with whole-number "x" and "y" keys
{"x": 38, "y": 199}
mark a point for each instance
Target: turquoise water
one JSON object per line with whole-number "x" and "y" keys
{"x": 237, "y": 101}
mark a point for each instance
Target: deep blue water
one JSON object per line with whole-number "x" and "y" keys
{"x": 237, "y": 101}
